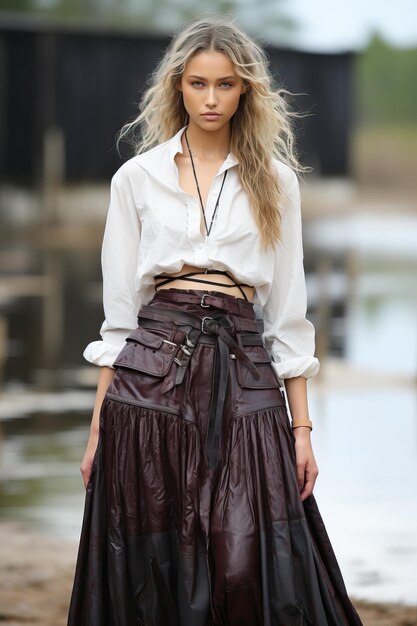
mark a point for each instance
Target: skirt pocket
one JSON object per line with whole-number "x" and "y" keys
{"x": 259, "y": 355}
{"x": 150, "y": 352}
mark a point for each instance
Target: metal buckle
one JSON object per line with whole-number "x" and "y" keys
{"x": 202, "y": 325}
{"x": 205, "y": 306}
{"x": 171, "y": 343}
{"x": 188, "y": 341}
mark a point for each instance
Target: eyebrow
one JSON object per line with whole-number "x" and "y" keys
{"x": 202, "y": 78}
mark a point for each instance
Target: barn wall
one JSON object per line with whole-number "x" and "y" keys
{"x": 88, "y": 83}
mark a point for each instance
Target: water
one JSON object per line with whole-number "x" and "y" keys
{"x": 40, "y": 480}
{"x": 366, "y": 448}
{"x": 365, "y": 443}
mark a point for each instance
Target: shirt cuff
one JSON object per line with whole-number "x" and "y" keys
{"x": 307, "y": 366}
{"x": 101, "y": 353}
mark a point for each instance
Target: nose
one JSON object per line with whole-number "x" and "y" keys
{"x": 211, "y": 99}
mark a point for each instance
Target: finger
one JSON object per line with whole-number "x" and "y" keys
{"x": 308, "y": 489}
{"x": 311, "y": 477}
{"x": 301, "y": 475}
{"x": 86, "y": 476}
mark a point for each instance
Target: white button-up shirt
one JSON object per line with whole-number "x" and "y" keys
{"x": 153, "y": 227}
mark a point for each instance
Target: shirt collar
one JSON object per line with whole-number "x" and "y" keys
{"x": 175, "y": 146}
{"x": 159, "y": 161}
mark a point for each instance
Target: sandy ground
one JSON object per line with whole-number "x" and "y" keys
{"x": 36, "y": 576}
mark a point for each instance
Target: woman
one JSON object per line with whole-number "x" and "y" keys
{"x": 199, "y": 506}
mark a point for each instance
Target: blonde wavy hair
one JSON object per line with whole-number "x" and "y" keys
{"x": 261, "y": 128}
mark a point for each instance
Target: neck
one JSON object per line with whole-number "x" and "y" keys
{"x": 207, "y": 145}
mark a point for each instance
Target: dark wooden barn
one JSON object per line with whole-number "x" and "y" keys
{"x": 86, "y": 81}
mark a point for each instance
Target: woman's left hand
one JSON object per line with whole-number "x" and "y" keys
{"x": 307, "y": 470}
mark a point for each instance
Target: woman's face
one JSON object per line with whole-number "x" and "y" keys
{"x": 211, "y": 89}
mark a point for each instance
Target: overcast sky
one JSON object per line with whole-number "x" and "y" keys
{"x": 326, "y": 25}
{"x": 323, "y": 25}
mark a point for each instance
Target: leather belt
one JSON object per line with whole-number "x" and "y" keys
{"x": 155, "y": 312}
{"x": 221, "y": 326}
{"x": 237, "y": 306}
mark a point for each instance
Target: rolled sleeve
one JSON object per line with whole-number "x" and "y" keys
{"x": 119, "y": 257}
{"x": 103, "y": 353}
{"x": 288, "y": 335}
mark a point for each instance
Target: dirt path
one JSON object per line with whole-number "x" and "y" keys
{"x": 36, "y": 576}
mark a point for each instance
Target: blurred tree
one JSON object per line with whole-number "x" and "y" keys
{"x": 17, "y": 5}
{"x": 386, "y": 83}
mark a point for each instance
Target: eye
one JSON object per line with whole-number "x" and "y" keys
{"x": 226, "y": 84}
{"x": 196, "y": 83}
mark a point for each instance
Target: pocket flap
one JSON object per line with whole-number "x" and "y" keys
{"x": 146, "y": 338}
{"x": 148, "y": 352}
{"x": 257, "y": 354}
{"x": 260, "y": 357}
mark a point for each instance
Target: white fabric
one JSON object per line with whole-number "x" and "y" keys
{"x": 153, "y": 226}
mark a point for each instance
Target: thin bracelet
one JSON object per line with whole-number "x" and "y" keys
{"x": 302, "y": 422}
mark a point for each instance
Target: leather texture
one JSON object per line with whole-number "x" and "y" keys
{"x": 171, "y": 538}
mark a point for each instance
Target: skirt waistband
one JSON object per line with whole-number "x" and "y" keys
{"x": 206, "y": 299}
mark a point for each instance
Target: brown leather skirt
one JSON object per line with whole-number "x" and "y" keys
{"x": 192, "y": 513}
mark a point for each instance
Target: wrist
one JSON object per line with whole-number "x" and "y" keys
{"x": 302, "y": 433}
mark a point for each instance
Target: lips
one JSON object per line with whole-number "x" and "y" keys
{"x": 211, "y": 115}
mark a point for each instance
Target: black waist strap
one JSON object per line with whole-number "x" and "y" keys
{"x": 164, "y": 280}
{"x": 219, "y": 325}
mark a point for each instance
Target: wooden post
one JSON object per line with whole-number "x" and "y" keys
{"x": 352, "y": 273}
{"x": 3, "y": 104}
{"x": 50, "y": 177}
{"x": 3, "y": 350}
{"x": 53, "y": 301}
{"x": 323, "y": 311}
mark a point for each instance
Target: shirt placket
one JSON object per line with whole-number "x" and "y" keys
{"x": 199, "y": 241}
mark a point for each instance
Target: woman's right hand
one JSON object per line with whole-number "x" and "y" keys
{"x": 105, "y": 377}
{"x": 87, "y": 462}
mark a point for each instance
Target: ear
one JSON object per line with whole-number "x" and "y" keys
{"x": 245, "y": 87}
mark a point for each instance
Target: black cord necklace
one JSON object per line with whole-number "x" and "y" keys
{"x": 208, "y": 230}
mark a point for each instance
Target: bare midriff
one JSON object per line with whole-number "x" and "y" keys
{"x": 221, "y": 280}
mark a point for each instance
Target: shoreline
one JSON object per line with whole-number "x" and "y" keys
{"x": 36, "y": 573}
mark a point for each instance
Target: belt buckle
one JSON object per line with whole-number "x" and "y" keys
{"x": 205, "y": 306}
{"x": 202, "y": 325}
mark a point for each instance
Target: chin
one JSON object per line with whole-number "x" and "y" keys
{"x": 211, "y": 124}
